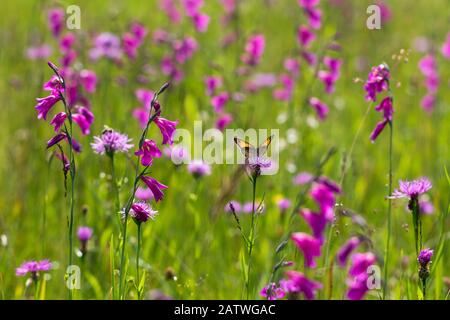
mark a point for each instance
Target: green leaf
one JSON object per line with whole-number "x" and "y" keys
{"x": 95, "y": 285}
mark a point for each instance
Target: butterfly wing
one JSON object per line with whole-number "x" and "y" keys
{"x": 246, "y": 148}
{"x": 262, "y": 149}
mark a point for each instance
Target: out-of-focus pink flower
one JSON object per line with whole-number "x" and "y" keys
{"x": 345, "y": 251}
{"x": 201, "y": 21}
{"x": 309, "y": 57}
{"x": 445, "y": 50}
{"x": 285, "y": 93}
{"x": 56, "y": 21}
{"x": 219, "y": 101}
{"x": 254, "y": 50}
{"x": 170, "y": 8}
{"x": 305, "y": 36}
{"x": 302, "y": 178}
{"x": 377, "y": 81}
{"x": 212, "y": 83}
{"x": 144, "y": 194}
{"x": 292, "y": 66}
{"x": 106, "y": 45}
{"x": 184, "y": 49}
{"x": 320, "y": 107}
{"x": 259, "y": 81}
{"x": 66, "y": 42}
{"x": 40, "y": 52}
{"x": 223, "y": 121}
{"x": 88, "y": 80}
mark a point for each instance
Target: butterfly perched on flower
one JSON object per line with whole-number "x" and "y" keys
{"x": 254, "y": 156}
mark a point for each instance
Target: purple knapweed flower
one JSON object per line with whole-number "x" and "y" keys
{"x": 345, "y": 251}
{"x": 272, "y": 292}
{"x": 233, "y": 205}
{"x": 298, "y": 283}
{"x": 302, "y": 178}
{"x": 106, "y": 45}
{"x": 33, "y": 267}
{"x": 155, "y": 186}
{"x": 309, "y": 246}
{"x": 424, "y": 257}
{"x": 283, "y": 204}
{"x": 411, "y": 189}
{"x": 199, "y": 168}
{"x": 148, "y": 151}
{"x": 110, "y": 142}
{"x": 84, "y": 234}
{"x": 141, "y": 212}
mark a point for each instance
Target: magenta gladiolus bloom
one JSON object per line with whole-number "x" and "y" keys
{"x": 377, "y": 81}
{"x": 223, "y": 121}
{"x": 314, "y": 17}
{"x": 305, "y": 36}
{"x": 84, "y": 234}
{"x": 88, "y": 80}
{"x": 141, "y": 212}
{"x": 345, "y": 251}
{"x": 148, "y": 151}
{"x": 272, "y": 292}
{"x": 58, "y": 120}
{"x": 387, "y": 108}
{"x": 212, "y": 83}
{"x": 111, "y": 141}
{"x": 292, "y": 66}
{"x": 219, "y": 101}
{"x": 412, "y": 189}
{"x": 201, "y": 21}
{"x": 167, "y": 129}
{"x": 320, "y": 107}
{"x": 254, "y": 50}
{"x": 56, "y": 21}
{"x": 56, "y": 139}
{"x": 357, "y": 287}
{"x": 84, "y": 118}
{"x": 309, "y": 245}
{"x": 33, "y": 267}
{"x": 155, "y": 186}
{"x": 309, "y": 57}
{"x": 45, "y": 104}
{"x": 198, "y": 168}
{"x": 360, "y": 263}
{"x": 317, "y": 221}
{"x": 298, "y": 283}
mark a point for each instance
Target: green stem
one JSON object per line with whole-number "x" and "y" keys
{"x": 389, "y": 216}
{"x": 424, "y": 288}
{"x": 252, "y": 236}
{"x": 137, "y": 261}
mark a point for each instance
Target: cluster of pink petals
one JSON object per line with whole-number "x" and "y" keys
{"x": 445, "y": 50}
{"x": 39, "y": 52}
{"x": 254, "y": 50}
{"x": 412, "y": 189}
{"x": 148, "y": 151}
{"x": 272, "y": 292}
{"x": 346, "y": 250}
{"x": 33, "y": 267}
{"x": 198, "y": 168}
{"x": 170, "y": 9}
{"x": 141, "y": 212}
{"x": 212, "y": 83}
{"x": 55, "y": 18}
{"x": 358, "y": 272}
{"x": 192, "y": 10}
{"x": 428, "y": 67}
{"x": 313, "y": 14}
{"x": 132, "y": 40}
{"x": 385, "y": 107}
{"x": 319, "y": 107}
{"x": 330, "y": 76}
{"x": 377, "y": 82}
{"x": 297, "y": 283}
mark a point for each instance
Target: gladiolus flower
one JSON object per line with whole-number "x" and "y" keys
{"x": 298, "y": 283}
{"x": 155, "y": 186}
{"x": 309, "y": 245}
{"x": 148, "y": 151}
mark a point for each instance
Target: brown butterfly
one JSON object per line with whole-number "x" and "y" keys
{"x": 252, "y": 153}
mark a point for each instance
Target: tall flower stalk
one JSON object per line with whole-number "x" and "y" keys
{"x": 167, "y": 129}
{"x": 251, "y": 237}
{"x": 378, "y": 82}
